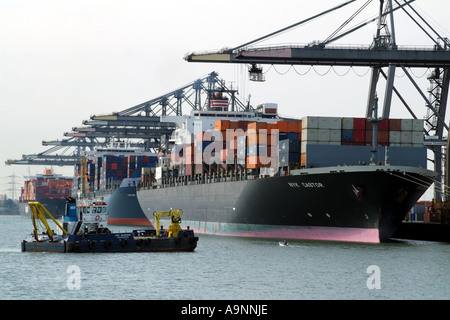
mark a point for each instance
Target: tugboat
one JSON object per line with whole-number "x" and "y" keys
{"x": 84, "y": 229}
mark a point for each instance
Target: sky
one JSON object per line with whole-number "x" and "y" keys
{"x": 62, "y": 61}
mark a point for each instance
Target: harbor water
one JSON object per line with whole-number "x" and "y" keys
{"x": 227, "y": 268}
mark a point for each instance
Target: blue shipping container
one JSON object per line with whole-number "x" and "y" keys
{"x": 347, "y": 136}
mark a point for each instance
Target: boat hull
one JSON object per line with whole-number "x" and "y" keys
{"x": 116, "y": 242}
{"x": 357, "y": 204}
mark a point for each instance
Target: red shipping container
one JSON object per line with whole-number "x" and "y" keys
{"x": 359, "y": 136}
{"x": 382, "y": 125}
{"x": 395, "y": 124}
{"x": 359, "y": 123}
{"x": 382, "y": 138}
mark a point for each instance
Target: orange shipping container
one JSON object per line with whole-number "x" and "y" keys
{"x": 222, "y": 125}
{"x": 254, "y": 162}
{"x": 256, "y": 126}
{"x": 262, "y": 139}
{"x": 292, "y": 126}
{"x": 234, "y": 125}
{"x": 303, "y": 159}
{"x": 283, "y": 126}
{"x": 271, "y": 127}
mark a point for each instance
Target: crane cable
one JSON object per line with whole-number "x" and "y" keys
{"x": 347, "y": 21}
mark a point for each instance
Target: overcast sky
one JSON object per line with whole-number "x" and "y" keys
{"x": 62, "y": 61}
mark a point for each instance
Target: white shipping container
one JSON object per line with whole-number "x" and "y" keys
{"x": 310, "y": 135}
{"x": 310, "y": 122}
{"x": 335, "y": 136}
{"x": 405, "y": 137}
{"x": 394, "y": 137}
{"x": 406, "y": 124}
{"x": 330, "y": 123}
{"x": 417, "y": 138}
{"x": 324, "y": 135}
{"x": 417, "y": 125}
{"x": 347, "y": 123}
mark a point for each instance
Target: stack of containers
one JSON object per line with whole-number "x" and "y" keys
{"x": 290, "y": 133}
{"x": 136, "y": 163}
{"x": 358, "y": 132}
{"x": 320, "y": 130}
{"x": 98, "y": 167}
{"x": 353, "y": 131}
{"x": 406, "y": 132}
{"x": 257, "y": 151}
{"x": 382, "y": 133}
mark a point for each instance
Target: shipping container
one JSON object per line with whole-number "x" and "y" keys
{"x": 347, "y": 134}
{"x": 394, "y": 137}
{"x": 329, "y": 123}
{"x": 383, "y": 125}
{"x": 310, "y": 122}
{"x": 417, "y": 125}
{"x": 309, "y": 134}
{"x": 395, "y": 125}
{"x": 289, "y": 145}
{"x": 406, "y": 125}
{"x": 222, "y": 125}
{"x": 417, "y": 137}
{"x": 347, "y": 124}
{"x": 288, "y": 159}
{"x": 359, "y": 123}
{"x": 406, "y": 137}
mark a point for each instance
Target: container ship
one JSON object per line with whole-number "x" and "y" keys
{"x": 48, "y": 188}
{"x": 253, "y": 174}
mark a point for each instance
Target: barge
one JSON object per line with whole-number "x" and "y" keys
{"x": 84, "y": 230}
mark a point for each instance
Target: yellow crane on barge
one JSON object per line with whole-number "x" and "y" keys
{"x": 175, "y": 219}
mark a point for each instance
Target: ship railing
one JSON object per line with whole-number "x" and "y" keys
{"x": 197, "y": 179}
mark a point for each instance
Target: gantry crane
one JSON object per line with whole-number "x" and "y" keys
{"x": 383, "y": 52}
{"x": 140, "y": 125}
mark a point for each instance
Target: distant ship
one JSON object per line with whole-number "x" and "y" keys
{"x": 48, "y": 188}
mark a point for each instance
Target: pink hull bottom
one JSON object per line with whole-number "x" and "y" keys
{"x": 289, "y": 232}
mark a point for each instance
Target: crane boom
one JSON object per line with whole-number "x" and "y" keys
{"x": 175, "y": 219}
{"x": 38, "y": 211}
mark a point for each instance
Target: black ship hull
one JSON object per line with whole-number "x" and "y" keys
{"x": 358, "y": 204}
{"x": 124, "y": 208}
